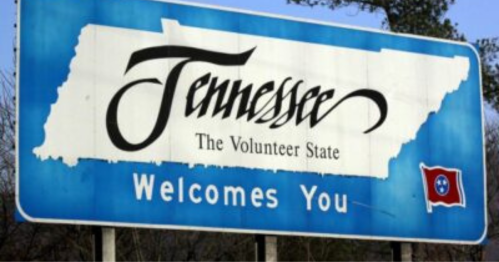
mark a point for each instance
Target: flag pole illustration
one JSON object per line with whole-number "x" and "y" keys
{"x": 443, "y": 187}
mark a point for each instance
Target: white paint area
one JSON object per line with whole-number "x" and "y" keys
{"x": 413, "y": 84}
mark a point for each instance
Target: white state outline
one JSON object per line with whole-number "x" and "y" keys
{"x": 250, "y": 231}
{"x": 430, "y": 204}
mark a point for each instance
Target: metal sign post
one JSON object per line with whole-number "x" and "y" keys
{"x": 265, "y": 248}
{"x": 271, "y": 249}
{"x": 104, "y": 244}
{"x": 401, "y": 251}
{"x": 97, "y": 243}
{"x": 259, "y": 248}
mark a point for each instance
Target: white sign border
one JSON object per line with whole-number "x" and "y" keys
{"x": 250, "y": 231}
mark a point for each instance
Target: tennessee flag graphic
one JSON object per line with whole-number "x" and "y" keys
{"x": 443, "y": 187}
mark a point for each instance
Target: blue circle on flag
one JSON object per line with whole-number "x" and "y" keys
{"x": 442, "y": 185}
